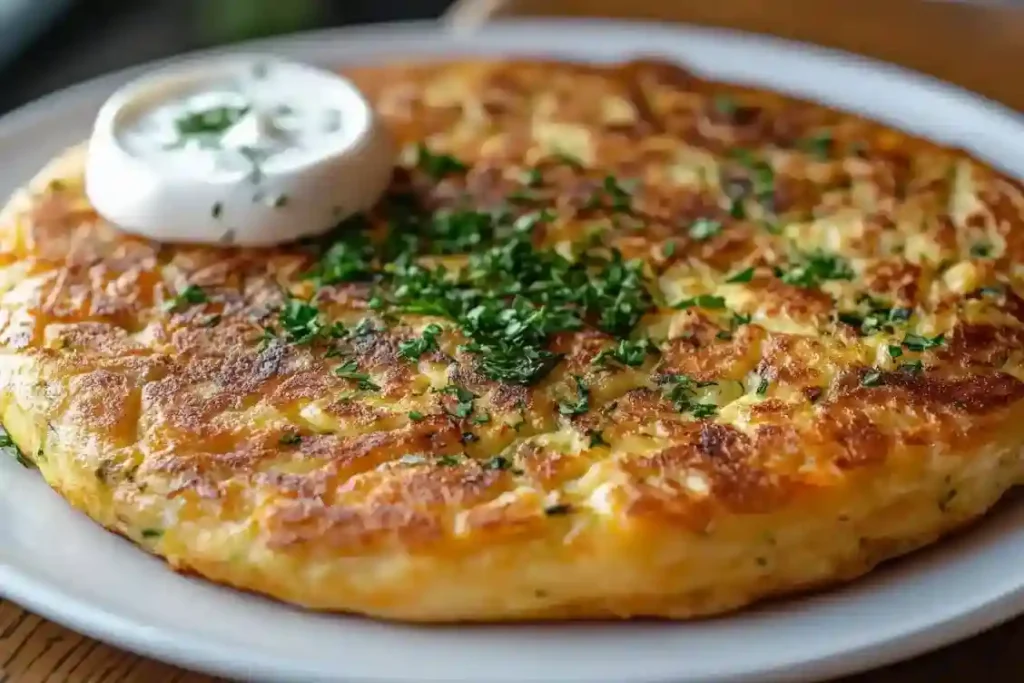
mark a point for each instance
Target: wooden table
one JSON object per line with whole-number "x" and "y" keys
{"x": 978, "y": 46}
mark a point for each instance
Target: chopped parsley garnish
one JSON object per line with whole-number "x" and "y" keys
{"x": 737, "y": 209}
{"x": 191, "y": 295}
{"x": 818, "y": 145}
{"x": 872, "y": 378}
{"x": 303, "y": 324}
{"x": 917, "y": 342}
{"x": 900, "y": 314}
{"x": 625, "y": 352}
{"x": 745, "y": 275}
{"x": 508, "y": 299}
{"x": 618, "y": 294}
{"x": 701, "y": 301}
{"x": 761, "y": 181}
{"x": 350, "y": 370}
{"x": 764, "y": 183}
{"x": 532, "y": 177}
{"x": 913, "y": 367}
{"x": 681, "y": 390}
{"x": 464, "y": 400}
{"x": 152, "y": 533}
{"x": 668, "y": 249}
{"x": 415, "y": 415}
{"x": 702, "y": 410}
{"x": 894, "y": 351}
{"x": 815, "y": 268}
{"x": 981, "y": 250}
{"x": 481, "y": 419}
{"x": 437, "y": 166}
{"x": 597, "y": 439}
{"x": 348, "y": 258}
{"x": 10, "y": 448}
{"x": 724, "y": 105}
{"x": 556, "y": 510}
{"x": 209, "y": 122}
{"x": 705, "y": 228}
{"x": 498, "y": 462}
{"x": 618, "y": 198}
{"x": 449, "y": 461}
{"x": 457, "y": 232}
{"x": 412, "y": 349}
{"x": 875, "y": 316}
{"x": 217, "y": 209}
{"x": 580, "y": 404}
{"x": 762, "y": 386}
{"x": 523, "y": 195}
{"x": 290, "y": 439}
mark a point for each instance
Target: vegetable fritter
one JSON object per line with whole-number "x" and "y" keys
{"x": 618, "y": 341}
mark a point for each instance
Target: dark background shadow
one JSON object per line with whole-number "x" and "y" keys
{"x": 97, "y": 36}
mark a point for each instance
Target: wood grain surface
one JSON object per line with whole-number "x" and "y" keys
{"x": 979, "y": 46}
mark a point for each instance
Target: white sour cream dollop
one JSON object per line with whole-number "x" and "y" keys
{"x": 240, "y": 150}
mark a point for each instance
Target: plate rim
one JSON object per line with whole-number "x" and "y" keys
{"x": 64, "y": 607}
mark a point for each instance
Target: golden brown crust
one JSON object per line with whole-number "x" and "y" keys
{"x": 842, "y": 380}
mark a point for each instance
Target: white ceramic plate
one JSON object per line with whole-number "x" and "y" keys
{"x": 57, "y": 563}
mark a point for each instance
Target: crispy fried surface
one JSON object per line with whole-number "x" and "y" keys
{"x": 835, "y": 373}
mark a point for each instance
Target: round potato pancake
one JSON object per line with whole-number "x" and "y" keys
{"x": 619, "y": 341}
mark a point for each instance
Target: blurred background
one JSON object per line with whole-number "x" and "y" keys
{"x": 46, "y": 45}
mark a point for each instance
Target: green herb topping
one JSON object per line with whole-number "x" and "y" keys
{"x": 871, "y": 378}
{"x": 302, "y": 323}
{"x": 193, "y": 294}
{"x": 580, "y": 404}
{"x": 209, "y": 122}
{"x": 917, "y": 342}
{"x": 290, "y": 439}
{"x": 818, "y": 145}
{"x": 681, "y": 390}
{"x": 464, "y": 400}
{"x": 816, "y": 268}
{"x": 350, "y": 370}
{"x": 412, "y": 349}
{"x": 705, "y": 228}
{"x": 437, "y": 166}
{"x": 498, "y": 462}
{"x": 626, "y": 352}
